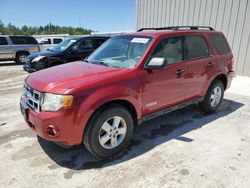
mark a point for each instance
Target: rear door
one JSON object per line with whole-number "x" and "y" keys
{"x": 224, "y": 55}
{"x": 166, "y": 86}
{"x": 201, "y": 64}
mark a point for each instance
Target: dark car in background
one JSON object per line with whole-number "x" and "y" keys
{"x": 17, "y": 48}
{"x": 72, "y": 49}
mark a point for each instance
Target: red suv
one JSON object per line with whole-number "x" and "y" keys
{"x": 129, "y": 79}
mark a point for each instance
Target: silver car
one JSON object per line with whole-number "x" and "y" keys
{"x": 17, "y": 48}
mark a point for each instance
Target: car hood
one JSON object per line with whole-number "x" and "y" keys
{"x": 46, "y": 53}
{"x": 65, "y": 78}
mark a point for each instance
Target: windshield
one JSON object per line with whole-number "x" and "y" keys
{"x": 121, "y": 51}
{"x": 63, "y": 45}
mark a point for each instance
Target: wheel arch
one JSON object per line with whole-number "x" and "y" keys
{"x": 222, "y": 77}
{"x": 22, "y": 51}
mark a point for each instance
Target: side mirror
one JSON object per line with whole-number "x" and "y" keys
{"x": 156, "y": 63}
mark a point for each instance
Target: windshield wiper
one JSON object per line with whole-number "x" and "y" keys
{"x": 101, "y": 63}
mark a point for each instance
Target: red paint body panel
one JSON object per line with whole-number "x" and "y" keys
{"x": 94, "y": 85}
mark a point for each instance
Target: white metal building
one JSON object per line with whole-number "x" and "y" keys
{"x": 232, "y": 17}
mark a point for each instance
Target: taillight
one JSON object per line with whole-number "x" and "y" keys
{"x": 39, "y": 48}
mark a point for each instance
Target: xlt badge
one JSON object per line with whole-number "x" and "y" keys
{"x": 151, "y": 104}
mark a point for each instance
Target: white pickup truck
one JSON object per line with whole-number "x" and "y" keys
{"x": 48, "y": 42}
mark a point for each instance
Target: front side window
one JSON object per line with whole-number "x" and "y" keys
{"x": 170, "y": 49}
{"x": 197, "y": 47}
{"x": 3, "y": 41}
{"x": 121, "y": 51}
{"x": 99, "y": 42}
{"x": 86, "y": 44}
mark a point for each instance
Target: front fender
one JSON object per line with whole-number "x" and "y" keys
{"x": 102, "y": 96}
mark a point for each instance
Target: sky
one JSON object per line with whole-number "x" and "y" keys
{"x": 97, "y": 15}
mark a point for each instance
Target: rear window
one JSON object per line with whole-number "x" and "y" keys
{"x": 220, "y": 44}
{"x": 197, "y": 47}
{"x": 3, "y": 41}
{"x": 57, "y": 41}
{"x": 23, "y": 40}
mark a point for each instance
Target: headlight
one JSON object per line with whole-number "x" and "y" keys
{"x": 53, "y": 102}
{"x": 37, "y": 58}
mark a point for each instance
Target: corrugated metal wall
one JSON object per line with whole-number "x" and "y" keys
{"x": 232, "y": 17}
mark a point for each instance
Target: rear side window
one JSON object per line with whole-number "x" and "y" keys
{"x": 170, "y": 49}
{"x": 57, "y": 41}
{"x": 220, "y": 44}
{"x": 197, "y": 47}
{"x": 3, "y": 41}
{"x": 23, "y": 40}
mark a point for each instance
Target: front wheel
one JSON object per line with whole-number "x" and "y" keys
{"x": 21, "y": 57}
{"x": 108, "y": 131}
{"x": 213, "y": 97}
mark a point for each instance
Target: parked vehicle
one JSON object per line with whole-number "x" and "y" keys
{"x": 130, "y": 79}
{"x": 17, "y": 48}
{"x": 49, "y": 42}
{"x": 72, "y": 49}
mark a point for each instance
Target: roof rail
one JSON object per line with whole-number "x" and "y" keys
{"x": 177, "y": 28}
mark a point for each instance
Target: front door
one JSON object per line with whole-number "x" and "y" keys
{"x": 167, "y": 86}
{"x": 80, "y": 50}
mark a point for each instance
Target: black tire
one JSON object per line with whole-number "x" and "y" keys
{"x": 93, "y": 130}
{"x": 206, "y": 104}
{"x": 19, "y": 57}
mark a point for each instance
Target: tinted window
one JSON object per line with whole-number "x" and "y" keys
{"x": 23, "y": 40}
{"x": 196, "y": 47}
{"x": 219, "y": 43}
{"x": 85, "y": 44}
{"x": 3, "y": 41}
{"x": 45, "y": 41}
{"x": 99, "y": 42}
{"x": 57, "y": 41}
{"x": 170, "y": 49}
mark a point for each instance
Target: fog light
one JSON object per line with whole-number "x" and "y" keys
{"x": 52, "y": 131}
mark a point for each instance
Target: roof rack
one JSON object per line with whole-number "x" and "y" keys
{"x": 177, "y": 28}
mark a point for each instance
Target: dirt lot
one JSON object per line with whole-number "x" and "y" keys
{"x": 185, "y": 148}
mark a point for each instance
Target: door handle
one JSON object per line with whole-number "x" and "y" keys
{"x": 211, "y": 64}
{"x": 179, "y": 71}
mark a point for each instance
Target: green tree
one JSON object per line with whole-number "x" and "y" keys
{"x": 47, "y": 29}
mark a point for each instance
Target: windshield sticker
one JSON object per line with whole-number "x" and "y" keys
{"x": 140, "y": 40}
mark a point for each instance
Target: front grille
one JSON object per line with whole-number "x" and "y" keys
{"x": 33, "y": 98}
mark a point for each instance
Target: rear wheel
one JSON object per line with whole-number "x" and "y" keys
{"x": 213, "y": 97}
{"x": 20, "y": 57}
{"x": 108, "y": 131}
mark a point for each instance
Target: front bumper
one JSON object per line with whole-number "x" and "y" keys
{"x": 28, "y": 67}
{"x": 60, "y": 126}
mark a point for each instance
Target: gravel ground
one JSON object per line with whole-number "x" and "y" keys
{"x": 185, "y": 148}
